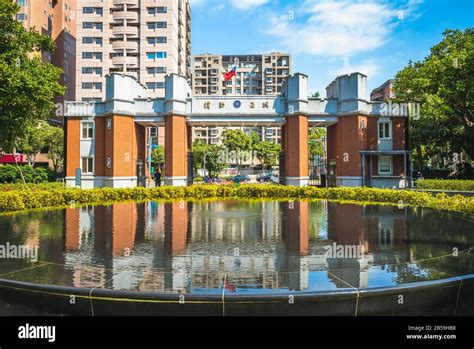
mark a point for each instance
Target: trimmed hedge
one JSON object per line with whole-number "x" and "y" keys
{"x": 31, "y": 186}
{"x": 18, "y": 200}
{"x": 446, "y": 184}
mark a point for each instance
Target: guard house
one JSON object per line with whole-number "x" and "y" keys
{"x": 106, "y": 141}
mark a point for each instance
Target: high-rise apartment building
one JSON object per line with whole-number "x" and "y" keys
{"x": 147, "y": 39}
{"x": 56, "y": 19}
{"x": 384, "y": 92}
{"x": 255, "y": 75}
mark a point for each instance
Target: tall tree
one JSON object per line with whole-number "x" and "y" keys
{"x": 33, "y": 141}
{"x": 238, "y": 141}
{"x": 443, "y": 84}
{"x": 316, "y": 141}
{"x": 27, "y": 84}
{"x": 158, "y": 156}
{"x": 267, "y": 153}
{"x": 55, "y": 142}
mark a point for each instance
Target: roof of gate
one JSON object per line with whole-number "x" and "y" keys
{"x": 346, "y": 96}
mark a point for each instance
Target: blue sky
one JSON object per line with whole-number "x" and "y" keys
{"x": 329, "y": 37}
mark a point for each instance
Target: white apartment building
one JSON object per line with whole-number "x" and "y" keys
{"x": 256, "y": 74}
{"x": 143, "y": 38}
{"x": 261, "y": 74}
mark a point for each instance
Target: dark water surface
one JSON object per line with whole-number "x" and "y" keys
{"x": 242, "y": 246}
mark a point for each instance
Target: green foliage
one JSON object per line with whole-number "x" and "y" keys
{"x": 238, "y": 141}
{"x": 199, "y": 149}
{"x": 33, "y": 141}
{"x": 31, "y": 186}
{"x": 158, "y": 156}
{"x": 443, "y": 84}
{"x": 16, "y": 174}
{"x": 315, "y": 140}
{"x": 214, "y": 160}
{"x": 208, "y": 157}
{"x": 41, "y": 136}
{"x": 446, "y": 184}
{"x": 55, "y": 143}
{"x": 26, "y": 199}
{"x": 266, "y": 152}
{"x": 27, "y": 84}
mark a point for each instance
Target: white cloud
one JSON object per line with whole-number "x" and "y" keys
{"x": 367, "y": 67}
{"x": 339, "y": 27}
{"x": 246, "y": 5}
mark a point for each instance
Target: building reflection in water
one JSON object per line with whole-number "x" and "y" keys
{"x": 189, "y": 247}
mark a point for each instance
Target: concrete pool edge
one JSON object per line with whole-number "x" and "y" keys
{"x": 444, "y": 297}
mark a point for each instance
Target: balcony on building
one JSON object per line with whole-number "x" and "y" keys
{"x": 129, "y": 16}
{"x": 129, "y": 3}
{"x": 128, "y": 30}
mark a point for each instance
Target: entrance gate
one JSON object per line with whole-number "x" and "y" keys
{"x": 317, "y": 172}
{"x": 120, "y": 153}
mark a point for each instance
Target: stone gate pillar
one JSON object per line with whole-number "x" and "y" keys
{"x": 177, "y": 91}
{"x": 296, "y": 131}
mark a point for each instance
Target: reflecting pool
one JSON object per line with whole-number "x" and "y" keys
{"x": 241, "y": 247}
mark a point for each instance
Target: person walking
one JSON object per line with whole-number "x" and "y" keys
{"x": 157, "y": 178}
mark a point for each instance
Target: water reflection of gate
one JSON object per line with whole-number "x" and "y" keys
{"x": 317, "y": 172}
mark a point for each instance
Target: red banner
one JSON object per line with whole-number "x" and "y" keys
{"x": 10, "y": 158}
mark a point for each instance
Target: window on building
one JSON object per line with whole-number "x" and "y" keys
{"x": 21, "y": 17}
{"x": 154, "y": 10}
{"x": 156, "y": 25}
{"x": 87, "y": 25}
{"x": 87, "y": 55}
{"x": 156, "y": 70}
{"x": 385, "y": 165}
{"x": 161, "y": 55}
{"x": 87, "y": 130}
{"x": 21, "y": 2}
{"x": 87, "y": 165}
{"x": 150, "y": 55}
{"x": 87, "y": 40}
{"x": 91, "y": 10}
{"x": 385, "y": 130}
{"x": 155, "y": 85}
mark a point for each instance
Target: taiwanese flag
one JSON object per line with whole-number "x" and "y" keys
{"x": 231, "y": 73}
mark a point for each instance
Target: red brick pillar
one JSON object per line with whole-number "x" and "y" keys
{"x": 296, "y": 150}
{"x": 176, "y": 150}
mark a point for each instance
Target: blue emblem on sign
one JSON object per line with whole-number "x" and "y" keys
{"x": 237, "y": 104}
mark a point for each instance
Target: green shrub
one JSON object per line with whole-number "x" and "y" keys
{"x": 16, "y": 174}
{"x": 31, "y": 186}
{"x": 446, "y": 184}
{"x": 23, "y": 199}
